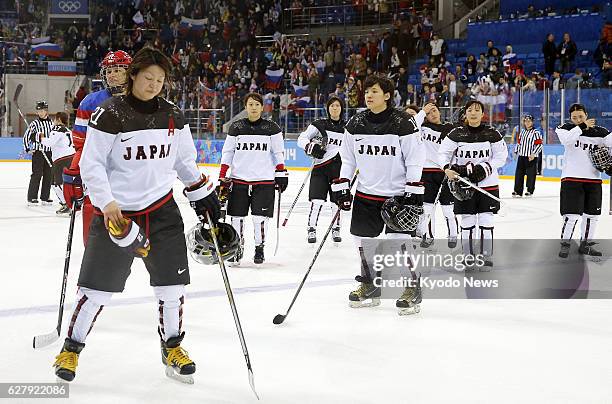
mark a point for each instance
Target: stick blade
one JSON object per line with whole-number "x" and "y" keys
{"x": 17, "y": 92}
{"x": 278, "y": 319}
{"x": 41, "y": 341}
{"x": 252, "y": 382}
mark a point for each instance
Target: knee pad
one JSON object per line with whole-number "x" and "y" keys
{"x": 486, "y": 219}
{"x": 468, "y": 221}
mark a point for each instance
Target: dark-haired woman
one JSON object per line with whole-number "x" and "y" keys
{"x": 322, "y": 140}
{"x": 136, "y": 146}
{"x": 253, "y": 153}
{"x": 475, "y": 151}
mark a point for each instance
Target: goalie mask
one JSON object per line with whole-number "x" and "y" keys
{"x": 600, "y": 158}
{"x": 113, "y": 71}
{"x": 460, "y": 190}
{"x": 400, "y": 217}
{"x": 202, "y": 248}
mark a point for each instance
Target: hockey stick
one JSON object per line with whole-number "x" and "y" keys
{"x": 44, "y": 340}
{"x": 298, "y": 194}
{"x": 278, "y": 222}
{"x": 279, "y": 318}
{"x": 16, "y": 101}
{"x": 230, "y": 296}
{"x": 482, "y": 191}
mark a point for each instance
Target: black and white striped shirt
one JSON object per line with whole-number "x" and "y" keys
{"x": 31, "y": 138}
{"x": 529, "y": 143}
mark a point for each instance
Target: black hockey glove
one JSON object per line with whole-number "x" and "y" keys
{"x": 223, "y": 189}
{"x": 315, "y": 149}
{"x": 608, "y": 171}
{"x": 341, "y": 193}
{"x": 412, "y": 199}
{"x": 476, "y": 173}
{"x": 459, "y": 169}
{"x": 281, "y": 180}
{"x": 202, "y": 198}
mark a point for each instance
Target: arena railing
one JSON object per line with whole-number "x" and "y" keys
{"x": 34, "y": 67}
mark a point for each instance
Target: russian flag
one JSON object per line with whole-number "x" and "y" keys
{"x": 274, "y": 78}
{"x": 300, "y": 91}
{"x": 191, "y": 25}
{"x": 298, "y": 105}
{"x": 61, "y": 68}
{"x": 48, "y": 49}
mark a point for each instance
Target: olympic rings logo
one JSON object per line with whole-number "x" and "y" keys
{"x": 69, "y": 6}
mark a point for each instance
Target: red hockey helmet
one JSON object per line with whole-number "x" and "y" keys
{"x": 112, "y": 60}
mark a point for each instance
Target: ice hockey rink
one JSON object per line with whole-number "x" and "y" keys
{"x": 460, "y": 351}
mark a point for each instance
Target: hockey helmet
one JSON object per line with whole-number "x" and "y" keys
{"x": 399, "y": 216}
{"x": 461, "y": 191}
{"x": 202, "y": 248}
{"x": 114, "y": 59}
{"x": 600, "y": 158}
{"x": 40, "y": 105}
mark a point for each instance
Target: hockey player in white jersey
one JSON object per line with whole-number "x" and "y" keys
{"x": 474, "y": 151}
{"x": 322, "y": 140}
{"x": 62, "y": 151}
{"x": 253, "y": 153}
{"x": 136, "y": 146}
{"x": 581, "y": 191}
{"x": 433, "y": 178}
{"x": 385, "y": 145}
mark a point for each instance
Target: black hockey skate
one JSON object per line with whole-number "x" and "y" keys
{"x": 312, "y": 235}
{"x": 178, "y": 365}
{"x": 32, "y": 202}
{"x": 235, "y": 260}
{"x": 426, "y": 242}
{"x": 452, "y": 242}
{"x": 259, "y": 254}
{"x": 586, "y": 248}
{"x": 47, "y": 202}
{"x": 564, "y": 251}
{"x": 64, "y": 210}
{"x": 366, "y": 295}
{"x": 66, "y": 362}
{"x": 410, "y": 301}
{"x": 336, "y": 234}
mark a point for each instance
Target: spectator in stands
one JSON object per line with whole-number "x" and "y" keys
{"x": 395, "y": 61}
{"x": 470, "y": 66}
{"x": 490, "y": 48}
{"x": 557, "y": 81}
{"x": 80, "y": 53}
{"x": 549, "y": 49}
{"x": 567, "y": 52}
{"x": 509, "y": 60}
{"x": 541, "y": 82}
{"x": 402, "y": 84}
{"x": 481, "y": 65}
{"x": 575, "y": 81}
{"x": 412, "y": 97}
{"x": 437, "y": 48}
{"x": 606, "y": 75}
{"x": 603, "y": 51}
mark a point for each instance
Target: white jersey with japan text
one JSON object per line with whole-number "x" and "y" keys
{"x": 332, "y": 133}
{"x": 60, "y": 142}
{"x": 578, "y": 143}
{"x": 134, "y": 151}
{"x": 388, "y": 151}
{"x": 481, "y": 145}
{"x": 433, "y": 134}
{"x": 253, "y": 150}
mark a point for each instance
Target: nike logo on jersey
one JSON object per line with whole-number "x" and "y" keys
{"x": 180, "y": 271}
{"x": 125, "y": 140}
{"x": 264, "y": 209}
{"x": 359, "y": 140}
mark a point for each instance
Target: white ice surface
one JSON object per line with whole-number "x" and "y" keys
{"x": 460, "y": 351}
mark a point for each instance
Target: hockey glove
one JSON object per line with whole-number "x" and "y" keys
{"x": 202, "y": 198}
{"x": 478, "y": 172}
{"x": 73, "y": 188}
{"x": 412, "y": 199}
{"x": 223, "y": 189}
{"x": 281, "y": 179}
{"x": 462, "y": 170}
{"x": 130, "y": 237}
{"x": 608, "y": 171}
{"x": 315, "y": 149}
{"x": 341, "y": 193}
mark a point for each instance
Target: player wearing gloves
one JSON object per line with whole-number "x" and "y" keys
{"x": 586, "y": 156}
{"x": 322, "y": 140}
{"x": 474, "y": 151}
{"x": 137, "y": 144}
{"x": 113, "y": 71}
{"x": 253, "y": 153}
{"x": 385, "y": 145}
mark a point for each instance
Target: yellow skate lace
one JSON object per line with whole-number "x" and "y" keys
{"x": 408, "y": 295}
{"x": 178, "y": 356}
{"x": 67, "y": 360}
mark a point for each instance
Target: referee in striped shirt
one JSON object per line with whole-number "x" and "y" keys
{"x": 528, "y": 147}
{"x": 40, "y": 166}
